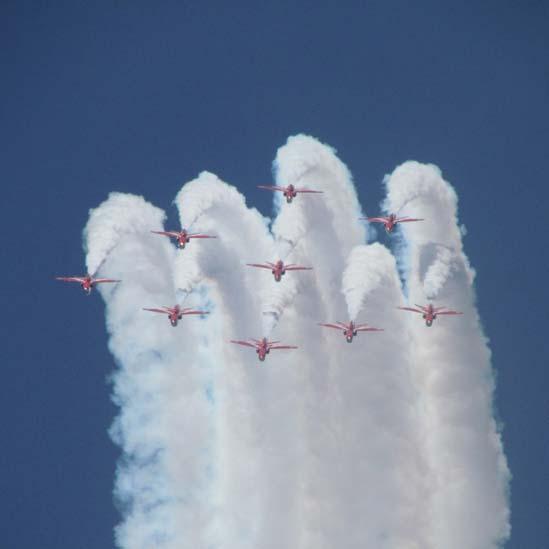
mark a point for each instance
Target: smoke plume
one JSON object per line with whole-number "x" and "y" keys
{"x": 388, "y": 442}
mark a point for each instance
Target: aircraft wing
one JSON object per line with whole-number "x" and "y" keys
{"x": 191, "y": 312}
{"x": 365, "y": 328}
{"x": 377, "y": 219}
{"x": 245, "y": 343}
{"x": 308, "y": 191}
{"x": 260, "y": 265}
{"x": 197, "y": 235}
{"x": 406, "y": 219}
{"x": 164, "y": 311}
{"x": 173, "y": 234}
{"x": 70, "y": 278}
{"x": 410, "y": 309}
{"x": 271, "y": 188}
{"x": 448, "y": 313}
{"x": 297, "y": 268}
{"x": 102, "y": 280}
{"x": 331, "y": 326}
{"x": 282, "y": 347}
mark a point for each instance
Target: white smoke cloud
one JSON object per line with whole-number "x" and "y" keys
{"x": 367, "y": 268}
{"x": 439, "y": 270}
{"x": 386, "y": 442}
{"x": 165, "y": 421}
{"x": 451, "y": 362}
{"x": 107, "y": 224}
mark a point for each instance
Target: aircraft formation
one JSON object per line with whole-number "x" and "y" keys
{"x": 278, "y": 269}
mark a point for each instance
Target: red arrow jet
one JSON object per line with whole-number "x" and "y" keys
{"x": 391, "y": 221}
{"x": 87, "y": 282}
{"x": 429, "y": 313}
{"x": 262, "y": 346}
{"x": 351, "y": 329}
{"x": 182, "y": 236}
{"x": 278, "y": 269}
{"x": 176, "y": 313}
{"x": 290, "y": 192}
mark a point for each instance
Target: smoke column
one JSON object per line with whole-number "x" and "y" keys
{"x": 388, "y": 442}
{"x": 469, "y": 507}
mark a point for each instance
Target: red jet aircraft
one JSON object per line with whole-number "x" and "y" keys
{"x": 390, "y": 221}
{"x": 176, "y": 313}
{"x": 87, "y": 282}
{"x": 351, "y": 329}
{"x": 290, "y": 192}
{"x": 182, "y": 236}
{"x": 279, "y": 269}
{"x": 429, "y": 313}
{"x": 263, "y": 346}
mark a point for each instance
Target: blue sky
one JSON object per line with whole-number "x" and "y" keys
{"x": 138, "y": 98}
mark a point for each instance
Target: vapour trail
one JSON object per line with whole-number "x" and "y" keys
{"x": 451, "y": 360}
{"x": 322, "y": 235}
{"x": 212, "y": 206}
{"x": 364, "y": 272}
{"x": 165, "y": 417}
{"x": 346, "y": 389}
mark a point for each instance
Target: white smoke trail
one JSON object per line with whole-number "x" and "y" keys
{"x": 330, "y": 445}
{"x": 120, "y": 215}
{"x": 326, "y": 227}
{"x": 322, "y": 236}
{"x": 469, "y": 507}
{"x": 439, "y": 270}
{"x": 364, "y": 273}
{"x": 384, "y": 458}
{"x": 165, "y": 420}
{"x": 244, "y": 458}
{"x": 345, "y": 416}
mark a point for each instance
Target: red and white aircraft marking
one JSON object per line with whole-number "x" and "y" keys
{"x": 176, "y": 313}
{"x": 351, "y": 329}
{"x": 391, "y": 221}
{"x": 182, "y": 236}
{"x": 278, "y": 269}
{"x": 290, "y": 192}
{"x": 87, "y": 282}
{"x": 429, "y": 313}
{"x": 262, "y": 346}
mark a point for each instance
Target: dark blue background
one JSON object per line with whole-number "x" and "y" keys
{"x": 135, "y": 97}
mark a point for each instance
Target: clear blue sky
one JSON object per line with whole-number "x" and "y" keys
{"x": 139, "y": 98}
